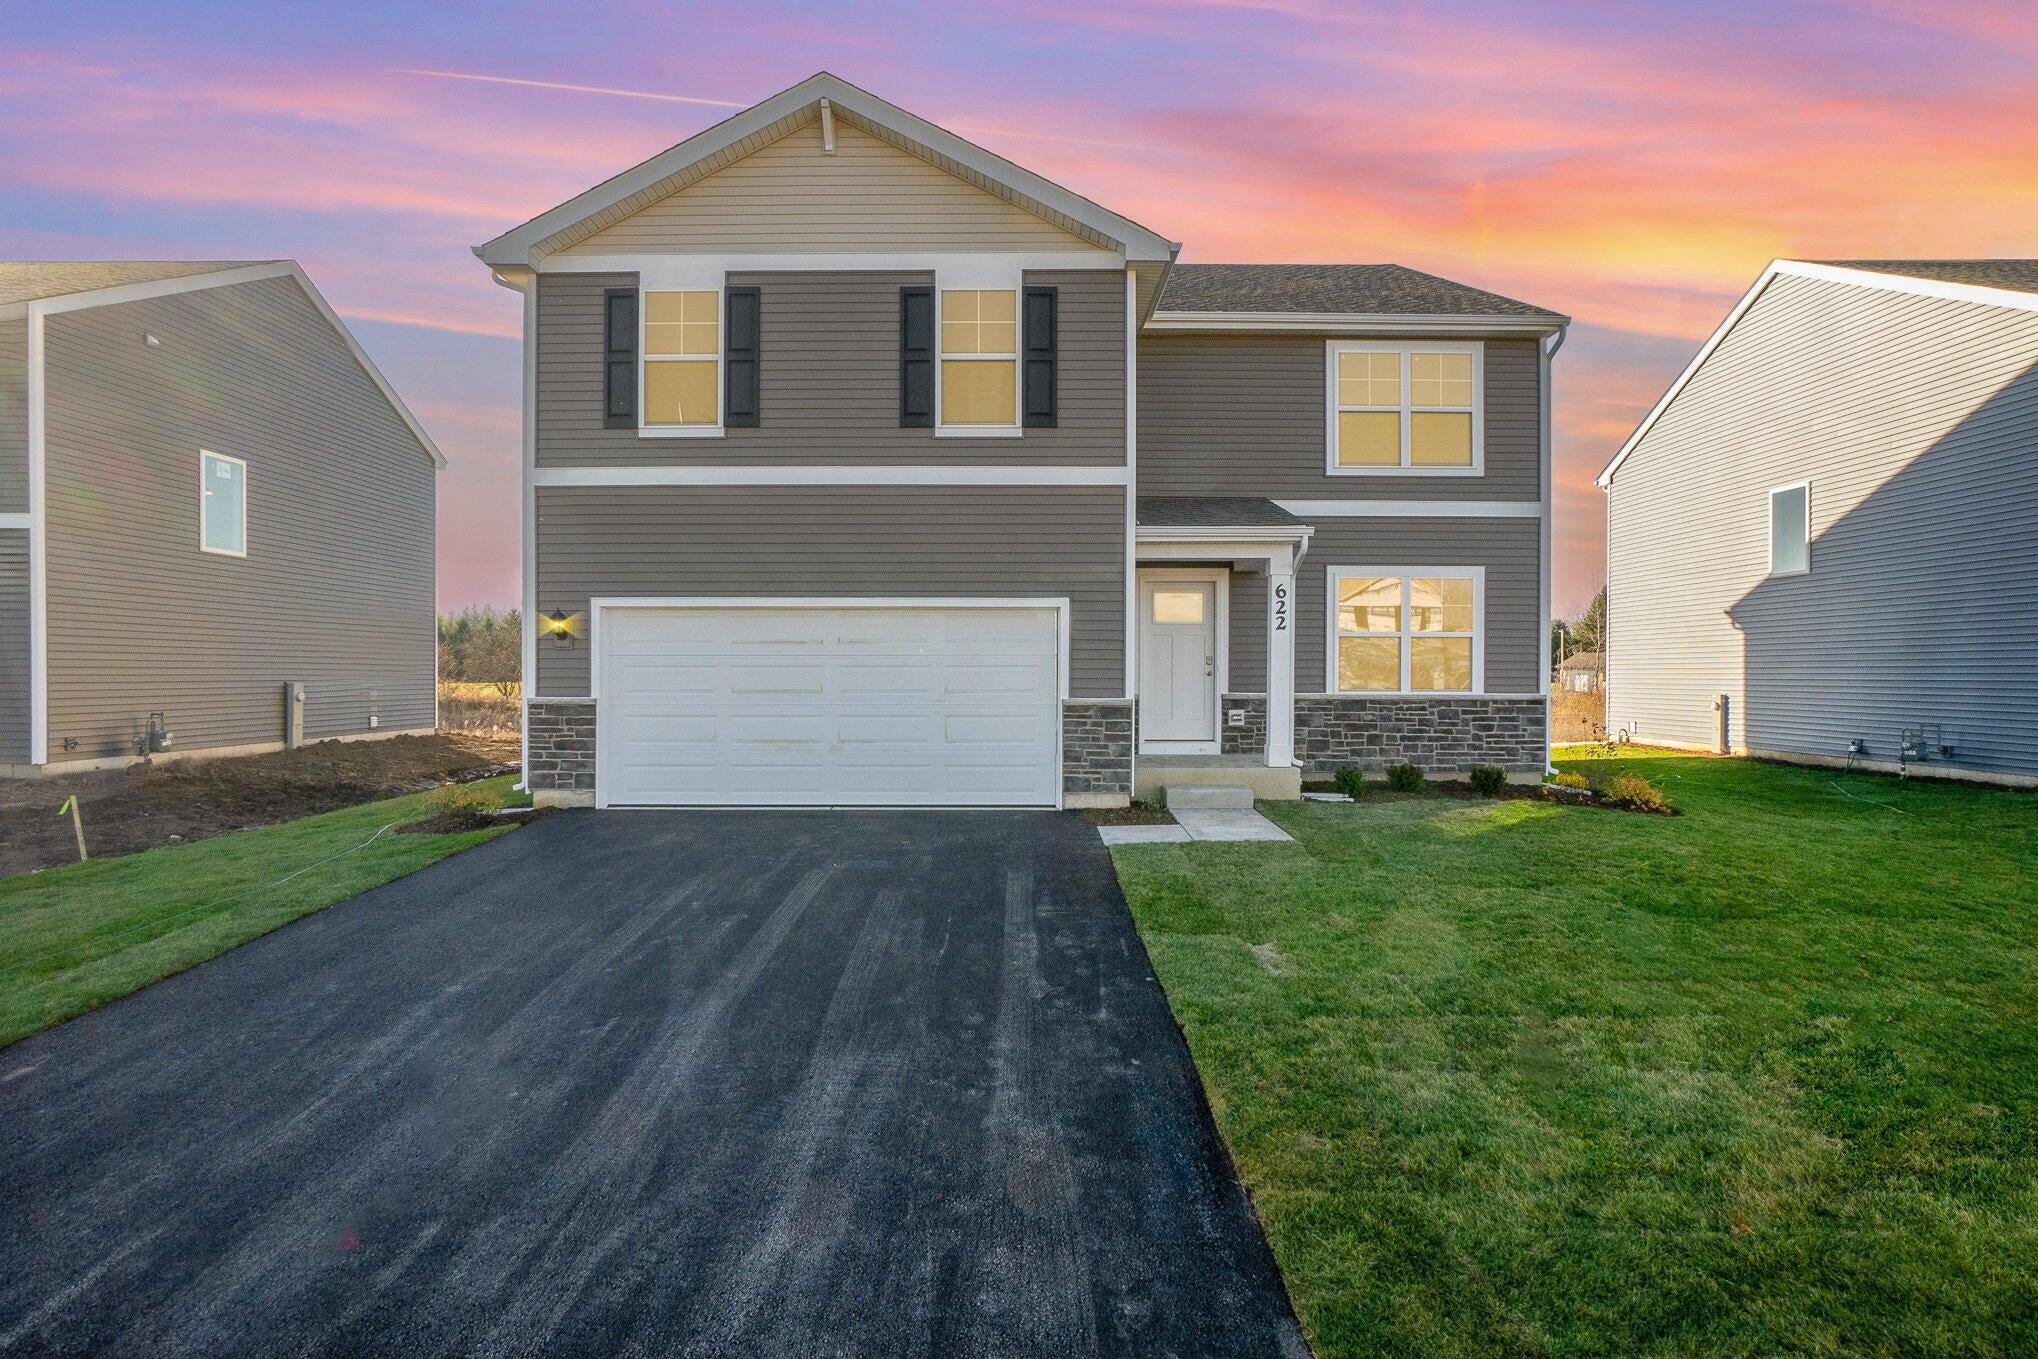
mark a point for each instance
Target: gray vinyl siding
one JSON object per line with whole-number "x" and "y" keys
{"x": 1248, "y": 633}
{"x": 829, "y": 378}
{"x": 14, "y": 707}
{"x": 337, "y": 589}
{"x": 1244, "y": 415}
{"x": 844, "y": 541}
{"x": 1509, "y": 549}
{"x": 13, "y": 415}
{"x": 1915, "y": 420}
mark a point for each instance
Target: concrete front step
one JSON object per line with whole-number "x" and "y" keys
{"x": 1178, "y": 797}
{"x": 1151, "y": 773}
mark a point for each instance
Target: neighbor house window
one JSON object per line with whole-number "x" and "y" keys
{"x": 1790, "y": 512}
{"x": 222, "y": 504}
{"x": 683, "y": 359}
{"x": 1406, "y": 631}
{"x": 980, "y": 357}
{"x": 1408, "y": 408}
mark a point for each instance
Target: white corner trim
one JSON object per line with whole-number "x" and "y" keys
{"x": 528, "y": 464}
{"x": 1131, "y": 488}
{"x": 1331, "y": 573}
{"x": 226, "y": 278}
{"x": 809, "y": 474}
{"x": 1829, "y": 273}
{"x": 1413, "y": 509}
{"x": 1353, "y": 323}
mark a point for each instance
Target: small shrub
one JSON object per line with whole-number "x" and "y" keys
{"x": 1569, "y": 780}
{"x": 1349, "y": 781}
{"x": 1405, "y": 778}
{"x": 1634, "y": 792}
{"x": 1487, "y": 779}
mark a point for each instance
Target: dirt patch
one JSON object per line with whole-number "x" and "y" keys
{"x": 146, "y": 806}
{"x": 1577, "y": 717}
{"x": 469, "y": 819}
{"x": 1460, "y": 791}
{"x": 1138, "y": 814}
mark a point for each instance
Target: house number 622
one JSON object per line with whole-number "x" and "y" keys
{"x": 1280, "y": 608}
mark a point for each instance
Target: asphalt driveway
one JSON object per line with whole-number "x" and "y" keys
{"x": 682, "y": 1083}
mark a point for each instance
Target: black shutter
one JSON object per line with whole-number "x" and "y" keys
{"x": 739, "y": 357}
{"x": 1042, "y": 346}
{"x": 916, "y": 358}
{"x": 619, "y": 358}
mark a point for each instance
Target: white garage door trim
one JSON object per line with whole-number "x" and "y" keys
{"x": 601, "y": 606}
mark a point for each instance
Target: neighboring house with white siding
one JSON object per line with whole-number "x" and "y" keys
{"x": 1822, "y": 542}
{"x": 207, "y": 493}
{"x": 865, "y": 466}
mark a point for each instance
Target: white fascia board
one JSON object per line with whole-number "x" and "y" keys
{"x": 1353, "y": 323}
{"x": 675, "y": 269}
{"x": 797, "y": 474}
{"x": 1829, "y": 273}
{"x": 227, "y": 278}
{"x": 1413, "y": 509}
{"x": 515, "y": 246}
{"x": 1239, "y": 533}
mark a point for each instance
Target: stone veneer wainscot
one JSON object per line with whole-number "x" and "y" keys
{"x": 1096, "y": 752}
{"x": 1443, "y": 735}
{"x": 561, "y": 737}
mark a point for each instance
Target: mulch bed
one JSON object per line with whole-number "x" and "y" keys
{"x": 147, "y": 806}
{"x": 1458, "y": 789}
{"x": 1138, "y": 814}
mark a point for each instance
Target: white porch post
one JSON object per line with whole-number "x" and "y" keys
{"x": 1281, "y": 660}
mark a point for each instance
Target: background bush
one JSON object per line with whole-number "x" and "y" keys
{"x": 1636, "y": 792}
{"x": 1349, "y": 781}
{"x": 1487, "y": 779}
{"x": 1405, "y": 778}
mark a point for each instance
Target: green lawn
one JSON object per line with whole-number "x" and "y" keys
{"x": 1516, "y": 1079}
{"x": 74, "y": 938}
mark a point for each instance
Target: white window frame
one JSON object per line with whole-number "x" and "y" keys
{"x": 206, "y": 455}
{"x": 1476, "y": 349}
{"x": 971, "y": 281}
{"x": 1769, "y": 532}
{"x": 645, "y": 358}
{"x": 1476, "y": 574}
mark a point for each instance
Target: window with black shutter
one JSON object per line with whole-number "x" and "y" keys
{"x": 916, "y": 358}
{"x": 740, "y": 357}
{"x": 619, "y": 358}
{"x": 1040, "y": 409}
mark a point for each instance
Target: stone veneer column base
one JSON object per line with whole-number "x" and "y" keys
{"x": 1442, "y": 735}
{"x": 560, "y": 735}
{"x": 1096, "y": 751}
{"x": 1248, "y": 737}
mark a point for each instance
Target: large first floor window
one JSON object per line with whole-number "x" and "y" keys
{"x": 1414, "y": 631}
{"x": 980, "y": 357}
{"x": 222, "y": 504}
{"x": 1404, "y": 408}
{"x": 683, "y": 359}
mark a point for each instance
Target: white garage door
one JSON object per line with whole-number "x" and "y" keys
{"x": 828, "y": 706}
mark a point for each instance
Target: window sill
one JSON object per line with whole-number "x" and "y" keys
{"x": 222, "y": 551}
{"x": 679, "y": 431}
{"x": 1336, "y": 471}
{"x": 979, "y": 432}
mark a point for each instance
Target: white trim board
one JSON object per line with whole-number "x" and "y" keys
{"x": 1413, "y": 509}
{"x": 678, "y": 270}
{"x": 813, "y": 475}
{"x": 517, "y": 245}
{"x": 1829, "y": 273}
{"x": 16, "y": 519}
{"x": 1353, "y": 323}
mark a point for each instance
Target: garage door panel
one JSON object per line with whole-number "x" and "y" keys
{"x": 817, "y": 705}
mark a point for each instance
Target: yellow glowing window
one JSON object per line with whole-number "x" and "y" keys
{"x": 1177, "y": 606}
{"x": 1414, "y": 407}
{"x": 979, "y": 356}
{"x": 683, "y": 358}
{"x": 1405, "y": 633}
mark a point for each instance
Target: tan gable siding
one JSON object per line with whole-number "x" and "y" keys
{"x": 14, "y": 414}
{"x": 1915, "y": 419}
{"x": 790, "y": 198}
{"x": 842, "y": 541}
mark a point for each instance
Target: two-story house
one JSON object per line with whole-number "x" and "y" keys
{"x": 862, "y": 466}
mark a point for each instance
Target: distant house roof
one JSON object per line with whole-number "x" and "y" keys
{"x": 1211, "y": 511}
{"x": 1584, "y": 660}
{"x": 1334, "y": 289}
{"x": 2017, "y": 275}
{"x": 31, "y": 281}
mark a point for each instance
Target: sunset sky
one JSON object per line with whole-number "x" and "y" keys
{"x": 1634, "y": 165}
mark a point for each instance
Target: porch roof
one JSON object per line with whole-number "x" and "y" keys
{"x": 1212, "y": 511}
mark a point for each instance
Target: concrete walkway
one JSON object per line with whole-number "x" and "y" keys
{"x": 1198, "y": 823}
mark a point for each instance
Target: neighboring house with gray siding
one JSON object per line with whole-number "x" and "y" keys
{"x": 207, "y": 493}
{"x": 1823, "y": 541}
{"x": 865, "y": 466}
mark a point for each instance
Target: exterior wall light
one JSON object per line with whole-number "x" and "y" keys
{"x": 559, "y": 625}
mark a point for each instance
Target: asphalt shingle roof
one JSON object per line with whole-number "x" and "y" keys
{"x": 34, "y": 280}
{"x": 2017, "y": 275}
{"x": 1210, "y": 511}
{"x": 1342, "y": 289}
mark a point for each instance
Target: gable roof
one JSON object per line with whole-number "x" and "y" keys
{"x": 2010, "y": 284}
{"x": 76, "y": 286}
{"x": 28, "y": 281}
{"x": 761, "y": 124}
{"x": 1342, "y": 289}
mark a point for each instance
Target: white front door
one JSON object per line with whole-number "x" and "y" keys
{"x": 1177, "y": 660}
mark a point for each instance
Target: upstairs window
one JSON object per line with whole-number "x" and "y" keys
{"x": 222, "y": 504}
{"x": 979, "y": 358}
{"x": 1418, "y": 632}
{"x": 1406, "y": 409}
{"x": 1790, "y": 546}
{"x": 683, "y": 360}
